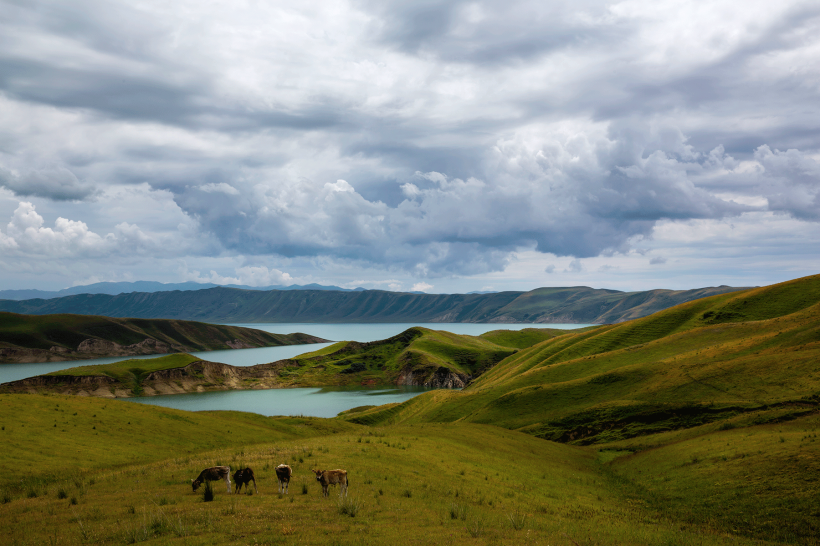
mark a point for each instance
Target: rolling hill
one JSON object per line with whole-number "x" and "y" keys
{"x": 60, "y": 337}
{"x": 706, "y": 360}
{"x": 418, "y": 356}
{"x": 578, "y": 305}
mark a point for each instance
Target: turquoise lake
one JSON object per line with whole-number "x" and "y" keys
{"x": 300, "y": 401}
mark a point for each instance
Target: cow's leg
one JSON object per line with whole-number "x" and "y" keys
{"x": 228, "y": 483}
{"x": 254, "y": 486}
{"x": 287, "y": 483}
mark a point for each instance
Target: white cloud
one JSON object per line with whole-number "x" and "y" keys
{"x": 222, "y": 187}
{"x": 421, "y": 287}
{"x": 247, "y": 275}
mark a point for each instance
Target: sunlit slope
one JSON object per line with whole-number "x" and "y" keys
{"x": 416, "y": 356}
{"x": 45, "y": 435}
{"x": 694, "y": 363}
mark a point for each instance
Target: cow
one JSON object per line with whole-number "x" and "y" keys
{"x": 332, "y": 477}
{"x": 244, "y": 476}
{"x": 213, "y": 474}
{"x": 283, "y": 474}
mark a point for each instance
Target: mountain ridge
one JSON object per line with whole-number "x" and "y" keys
{"x": 577, "y": 305}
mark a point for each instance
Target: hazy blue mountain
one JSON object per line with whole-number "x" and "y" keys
{"x": 114, "y": 288}
{"x": 578, "y": 304}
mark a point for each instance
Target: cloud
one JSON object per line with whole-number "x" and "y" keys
{"x": 247, "y": 275}
{"x": 59, "y": 184}
{"x": 657, "y": 260}
{"x": 221, "y": 187}
{"x": 421, "y": 287}
{"x": 405, "y": 140}
{"x": 575, "y": 266}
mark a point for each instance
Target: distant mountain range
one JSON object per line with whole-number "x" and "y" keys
{"x": 114, "y": 288}
{"x": 578, "y": 305}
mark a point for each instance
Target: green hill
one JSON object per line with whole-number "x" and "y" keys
{"x": 47, "y": 338}
{"x": 698, "y": 362}
{"x": 418, "y": 356}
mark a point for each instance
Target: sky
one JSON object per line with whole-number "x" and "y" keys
{"x": 433, "y": 146}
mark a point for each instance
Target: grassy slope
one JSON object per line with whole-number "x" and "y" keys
{"x": 426, "y": 484}
{"x": 713, "y": 407}
{"x": 651, "y": 373}
{"x": 135, "y": 369}
{"x": 43, "y": 436}
{"x": 420, "y": 350}
{"x": 68, "y": 331}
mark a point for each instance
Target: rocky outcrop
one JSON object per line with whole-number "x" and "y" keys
{"x": 435, "y": 378}
{"x": 148, "y": 346}
{"x": 85, "y": 385}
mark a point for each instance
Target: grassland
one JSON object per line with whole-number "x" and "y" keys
{"x": 113, "y": 472}
{"x": 695, "y": 426}
{"x": 60, "y": 337}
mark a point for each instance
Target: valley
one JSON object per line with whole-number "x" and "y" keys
{"x": 695, "y": 425}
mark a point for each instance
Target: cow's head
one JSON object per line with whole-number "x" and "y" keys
{"x": 318, "y": 474}
{"x": 195, "y": 484}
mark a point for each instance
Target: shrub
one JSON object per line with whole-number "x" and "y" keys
{"x": 73, "y": 500}
{"x": 304, "y": 489}
{"x": 407, "y": 493}
{"x": 61, "y": 494}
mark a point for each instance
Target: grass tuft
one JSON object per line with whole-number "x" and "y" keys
{"x": 348, "y": 506}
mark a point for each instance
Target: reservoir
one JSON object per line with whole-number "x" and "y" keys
{"x": 316, "y": 402}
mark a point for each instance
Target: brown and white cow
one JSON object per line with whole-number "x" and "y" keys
{"x": 283, "y": 474}
{"x": 244, "y": 476}
{"x": 332, "y": 477}
{"x": 213, "y": 474}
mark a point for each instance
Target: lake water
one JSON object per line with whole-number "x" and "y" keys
{"x": 314, "y": 402}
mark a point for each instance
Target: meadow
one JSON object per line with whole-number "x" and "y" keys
{"x": 119, "y": 473}
{"x": 694, "y": 426}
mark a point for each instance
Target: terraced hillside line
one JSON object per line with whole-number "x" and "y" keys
{"x": 52, "y": 338}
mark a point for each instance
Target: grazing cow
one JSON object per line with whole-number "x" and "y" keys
{"x": 332, "y": 477}
{"x": 213, "y": 474}
{"x": 283, "y": 474}
{"x": 244, "y": 476}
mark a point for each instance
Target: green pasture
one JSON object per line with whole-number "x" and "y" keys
{"x": 416, "y": 484}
